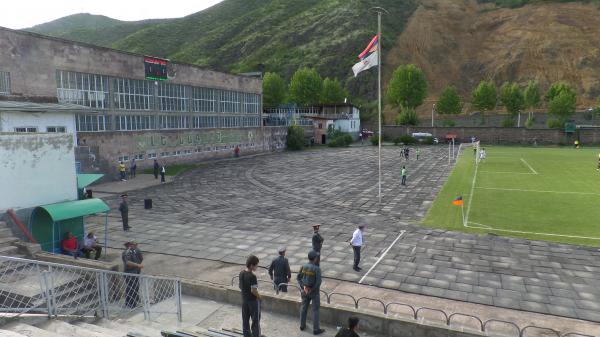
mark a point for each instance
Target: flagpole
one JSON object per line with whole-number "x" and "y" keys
{"x": 380, "y": 50}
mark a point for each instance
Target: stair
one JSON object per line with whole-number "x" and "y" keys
{"x": 7, "y": 241}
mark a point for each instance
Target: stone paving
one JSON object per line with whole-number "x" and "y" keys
{"x": 227, "y": 210}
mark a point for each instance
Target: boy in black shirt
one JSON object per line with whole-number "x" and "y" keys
{"x": 351, "y": 330}
{"x": 250, "y": 298}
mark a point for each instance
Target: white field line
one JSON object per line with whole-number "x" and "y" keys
{"x": 382, "y": 256}
{"x": 535, "y": 191}
{"x": 481, "y": 226}
{"x": 466, "y": 218}
{"x": 531, "y": 168}
{"x": 506, "y": 172}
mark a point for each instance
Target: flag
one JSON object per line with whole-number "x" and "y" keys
{"x": 458, "y": 201}
{"x": 368, "y": 58}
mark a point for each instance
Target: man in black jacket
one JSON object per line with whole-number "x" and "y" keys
{"x": 279, "y": 270}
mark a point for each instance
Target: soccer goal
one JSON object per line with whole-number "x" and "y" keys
{"x": 473, "y": 148}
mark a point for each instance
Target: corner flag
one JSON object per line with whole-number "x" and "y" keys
{"x": 368, "y": 58}
{"x": 458, "y": 201}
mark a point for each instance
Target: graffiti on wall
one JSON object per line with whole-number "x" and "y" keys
{"x": 154, "y": 140}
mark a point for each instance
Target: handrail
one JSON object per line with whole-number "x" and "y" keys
{"x": 414, "y": 312}
{"x": 374, "y": 300}
{"x": 434, "y": 310}
{"x": 501, "y": 321}
{"x": 342, "y": 294}
{"x": 539, "y": 328}
{"x": 18, "y": 222}
{"x": 465, "y": 315}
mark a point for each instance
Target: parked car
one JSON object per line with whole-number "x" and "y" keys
{"x": 422, "y": 136}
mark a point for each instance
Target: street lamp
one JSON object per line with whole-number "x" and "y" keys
{"x": 432, "y": 112}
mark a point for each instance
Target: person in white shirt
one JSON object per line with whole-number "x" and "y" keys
{"x": 90, "y": 243}
{"x": 356, "y": 242}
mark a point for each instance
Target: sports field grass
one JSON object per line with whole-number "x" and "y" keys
{"x": 550, "y": 194}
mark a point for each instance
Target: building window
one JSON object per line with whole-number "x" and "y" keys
{"x": 123, "y": 159}
{"x": 151, "y": 155}
{"x": 229, "y": 101}
{"x": 139, "y": 156}
{"x": 204, "y": 122}
{"x": 130, "y": 123}
{"x": 57, "y": 129}
{"x": 4, "y": 83}
{"x": 251, "y": 103}
{"x": 250, "y": 122}
{"x": 28, "y": 129}
{"x": 203, "y": 100}
{"x": 172, "y": 97}
{"x": 92, "y": 123}
{"x": 84, "y": 89}
{"x": 132, "y": 94}
{"x": 172, "y": 122}
{"x": 164, "y": 154}
{"x": 230, "y": 122}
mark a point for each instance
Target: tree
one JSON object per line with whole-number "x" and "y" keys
{"x": 273, "y": 90}
{"x": 305, "y": 87}
{"x": 449, "y": 102}
{"x": 408, "y": 87}
{"x": 295, "y": 138}
{"x": 512, "y": 98}
{"x": 532, "y": 95}
{"x": 556, "y": 89}
{"x": 333, "y": 92}
{"x": 562, "y": 106}
{"x": 484, "y": 97}
{"x": 597, "y": 107}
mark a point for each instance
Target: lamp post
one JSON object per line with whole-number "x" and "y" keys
{"x": 432, "y": 113}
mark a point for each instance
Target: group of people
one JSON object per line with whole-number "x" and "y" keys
{"x": 308, "y": 278}
{"x": 70, "y": 246}
{"x": 157, "y": 170}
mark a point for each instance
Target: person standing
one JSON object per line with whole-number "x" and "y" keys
{"x": 132, "y": 264}
{"x": 156, "y": 168}
{"x": 236, "y": 151}
{"x": 418, "y": 153}
{"x": 90, "y": 243}
{"x": 122, "y": 171}
{"x": 250, "y": 298}
{"x": 357, "y": 242}
{"x": 309, "y": 279}
{"x": 403, "y": 173}
{"x": 124, "y": 209}
{"x": 407, "y": 153}
{"x": 317, "y": 239}
{"x": 162, "y": 173}
{"x": 351, "y": 330}
{"x": 132, "y": 169}
{"x": 279, "y": 270}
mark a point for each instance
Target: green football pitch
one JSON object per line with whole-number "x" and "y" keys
{"x": 550, "y": 194}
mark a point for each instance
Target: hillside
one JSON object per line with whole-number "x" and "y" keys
{"x": 457, "y": 42}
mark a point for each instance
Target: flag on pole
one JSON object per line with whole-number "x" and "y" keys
{"x": 368, "y": 58}
{"x": 458, "y": 201}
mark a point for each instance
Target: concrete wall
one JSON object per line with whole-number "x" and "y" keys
{"x": 37, "y": 169}
{"x": 32, "y": 61}
{"x": 13, "y": 119}
{"x": 203, "y": 144}
{"x": 495, "y": 135}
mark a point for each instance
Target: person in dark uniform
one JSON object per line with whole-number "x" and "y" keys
{"x": 124, "y": 209}
{"x": 351, "y": 330}
{"x": 250, "y": 298}
{"x": 132, "y": 264}
{"x": 279, "y": 270}
{"x": 156, "y": 167}
{"x": 309, "y": 279}
{"x": 317, "y": 239}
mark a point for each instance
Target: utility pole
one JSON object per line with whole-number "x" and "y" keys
{"x": 432, "y": 112}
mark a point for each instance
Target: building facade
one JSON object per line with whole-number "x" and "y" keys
{"x": 195, "y": 114}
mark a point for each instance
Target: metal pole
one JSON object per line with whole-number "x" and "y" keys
{"x": 106, "y": 235}
{"x": 432, "y": 111}
{"x": 380, "y": 50}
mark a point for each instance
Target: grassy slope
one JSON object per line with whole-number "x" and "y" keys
{"x": 560, "y": 170}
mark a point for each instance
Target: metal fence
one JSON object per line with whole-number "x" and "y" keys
{"x": 416, "y": 313}
{"x": 35, "y": 287}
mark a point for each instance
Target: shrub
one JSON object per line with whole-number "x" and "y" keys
{"x": 407, "y": 117}
{"x": 407, "y": 139}
{"x": 374, "y": 140}
{"x": 508, "y": 122}
{"x": 427, "y": 141}
{"x": 295, "y": 138}
{"x": 448, "y": 123}
{"x": 554, "y": 123}
{"x": 397, "y": 141}
{"x": 341, "y": 139}
{"x": 529, "y": 122}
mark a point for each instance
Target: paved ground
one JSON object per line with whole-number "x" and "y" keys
{"x": 227, "y": 210}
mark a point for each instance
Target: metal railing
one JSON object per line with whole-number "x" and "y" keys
{"x": 35, "y": 287}
{"x": 481, "y": 325}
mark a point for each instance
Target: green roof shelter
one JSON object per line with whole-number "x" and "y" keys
{"x": 49, "y": 223}
{"x": 83, "y": 181}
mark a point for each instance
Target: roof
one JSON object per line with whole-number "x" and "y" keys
{"x": 84, "y": 179}
{"x": 73, "y": 209}
{"x": 40, "y": 107}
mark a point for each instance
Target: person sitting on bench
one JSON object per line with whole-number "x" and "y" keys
{"x": 90, "y": 243}
{"x": 69, "y": 245}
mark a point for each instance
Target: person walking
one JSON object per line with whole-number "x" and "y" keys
{"x": 162, "y": 173}
{"x": 418, "y": 153}
{"x": 357, "y": 242}
{"x": 407, "y": 153}
{"x": 132, "y": 264}
{"x": 156, "y": 168}
{"x": 309, "y": 279}
{"x": 279, "y": 270}
{"x": 403, "y": 173}
{"x": 122, "y": 171}
{"x": 124, "y": 209}
{"x": 317, "y": 239}
{"x": 250, "y": 298}
{"x": 350, "y": 331}
{"x": 132, "y": 169}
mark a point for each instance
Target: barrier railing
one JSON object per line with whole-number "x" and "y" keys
{"x": 29, "y": 286}
{"x": 483, "y": 326}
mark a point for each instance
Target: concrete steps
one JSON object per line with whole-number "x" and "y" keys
{"x": 7, "y": 241}
{"x": 30, "y": 330}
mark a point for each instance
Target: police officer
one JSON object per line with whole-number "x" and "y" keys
{"x": 132, "y": 261}
{"x": 317, "y": 239}
{"x": 309, "y": 279}
{"x": 279, "y": 270}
